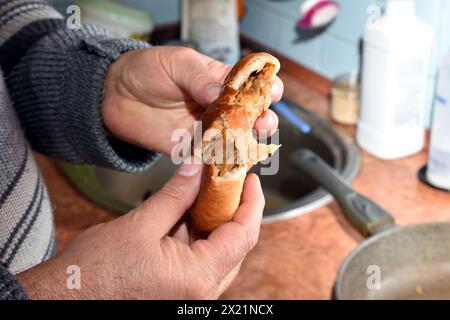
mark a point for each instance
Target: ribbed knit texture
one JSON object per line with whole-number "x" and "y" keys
{"x": 60, "y": 80}
{"x": 10, "y": 289}
{"x": 51, "y": 92}
{"x": 18, "y": 44}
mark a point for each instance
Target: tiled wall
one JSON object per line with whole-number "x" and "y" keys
{"x": 333, "y": 52}
{"x": 336, "y": 50}
{"x": 272, "y": 22}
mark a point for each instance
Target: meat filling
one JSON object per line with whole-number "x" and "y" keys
{"x": 244, "y": 152}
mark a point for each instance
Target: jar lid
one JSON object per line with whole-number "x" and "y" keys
{"x": 347, "y": 82}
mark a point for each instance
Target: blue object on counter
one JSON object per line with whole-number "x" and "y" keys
{"x": 286, "y": 111}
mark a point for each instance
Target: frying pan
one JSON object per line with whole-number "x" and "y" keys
{"x": 407, "y": 263}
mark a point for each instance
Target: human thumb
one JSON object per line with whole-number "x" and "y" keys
{"x": 170, "y": 203}
{"x": 193, "y": 75}
{"x": 203, "y": 87}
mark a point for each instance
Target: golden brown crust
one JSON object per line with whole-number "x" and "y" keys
{"x": 218, "y": 200}
{"x": 239, "y": 117}
{"x": 249, "y": 64}
{"x": 245, "y": 95}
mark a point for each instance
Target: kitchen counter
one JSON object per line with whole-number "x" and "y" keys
{"x": 297, "y": 258}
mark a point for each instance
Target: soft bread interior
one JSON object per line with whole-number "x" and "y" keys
{"x": 231, "y": 152}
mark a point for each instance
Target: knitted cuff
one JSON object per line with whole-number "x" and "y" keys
{"x": 10, "y": 289}
{"x": 57, "y": 90}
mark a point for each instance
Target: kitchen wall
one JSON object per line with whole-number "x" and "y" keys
{"x": 163, "y": 11}
{"x": 336, "y": 50}
{"x": 272, "y": 23}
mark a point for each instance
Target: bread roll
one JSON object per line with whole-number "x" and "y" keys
{"x": 228, "y": 147}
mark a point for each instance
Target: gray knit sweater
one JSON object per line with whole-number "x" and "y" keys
{"x": 51, "y": 82}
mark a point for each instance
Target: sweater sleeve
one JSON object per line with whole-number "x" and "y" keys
{"x": 55, "y": 78}
{"x": 10, "y": 289}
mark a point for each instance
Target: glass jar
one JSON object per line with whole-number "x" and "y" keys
{"x": 122, "y": 20}
{"x": 345, "y": 99}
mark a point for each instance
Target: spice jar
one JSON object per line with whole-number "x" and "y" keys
{"x": 345, "y": 99}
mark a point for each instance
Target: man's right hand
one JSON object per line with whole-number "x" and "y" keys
{"x": 152, "y": 253}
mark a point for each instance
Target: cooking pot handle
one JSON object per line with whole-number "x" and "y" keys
{"x": 364, "y": 214}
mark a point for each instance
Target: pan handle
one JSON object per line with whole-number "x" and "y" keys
{"x": 364, "y": 214}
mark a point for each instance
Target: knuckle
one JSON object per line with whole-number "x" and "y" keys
{"x": 173, "y": 193}
{"x": 250, "y": 240}
{"x": 146, "y": 207}
{"x": 186, "y": 52}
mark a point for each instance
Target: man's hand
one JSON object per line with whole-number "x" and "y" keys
{"x": 149, "y": 93}
{"x": 152, "y": 253}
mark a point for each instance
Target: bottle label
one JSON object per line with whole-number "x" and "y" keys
{"x": 440, "y": 130}
{"x": 439, "y": 162}
{"x": 213, "y": 27}
{"x": 411, "y": 92}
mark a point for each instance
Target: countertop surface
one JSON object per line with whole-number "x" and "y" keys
{"x": 297, "y": 258}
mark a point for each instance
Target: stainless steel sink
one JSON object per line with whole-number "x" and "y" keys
{"x": 288, "y": 194}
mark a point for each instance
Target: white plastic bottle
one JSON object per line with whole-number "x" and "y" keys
{"x": 396, "y": 62}
{"x": 438, "y": 173}
{"x": 213, "y": 26}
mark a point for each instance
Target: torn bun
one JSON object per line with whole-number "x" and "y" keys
{"x": 228, "y": 147}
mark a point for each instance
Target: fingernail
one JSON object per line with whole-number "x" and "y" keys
{"x": 213, "y": 91}
{"x": 270, "y": 120}
{"x": 267, "y": 122}
{"x": 189, "y": 169}
{"x": 275, "y": 88}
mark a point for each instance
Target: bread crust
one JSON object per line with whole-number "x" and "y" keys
{"x": 245, "y": 95}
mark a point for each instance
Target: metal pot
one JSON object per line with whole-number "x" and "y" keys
{"x": 394, "y": 262}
